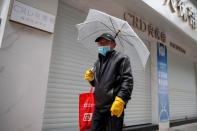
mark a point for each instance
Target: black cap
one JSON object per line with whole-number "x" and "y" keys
{"x": 106, "y": 36}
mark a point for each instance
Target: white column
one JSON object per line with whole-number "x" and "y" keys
{"x": 24, "y": 66}
{"x": 154, "y": 89}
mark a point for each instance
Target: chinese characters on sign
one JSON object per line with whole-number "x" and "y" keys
{"x": 141, "y": 25}
{"x": 177, "y": 47}
{"x": 152, "y": 31}
{"x": 183, "y": 11}
{"x": 32, "y": 17}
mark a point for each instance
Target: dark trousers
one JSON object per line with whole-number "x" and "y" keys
{"x": 103, "y": 121}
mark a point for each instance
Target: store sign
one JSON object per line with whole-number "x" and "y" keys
{"x": 177, "y": 47}
{"x": 141, "y": 25}
{"x": 162, "y": 76}
{"x": 183, "y": 11}
{"x": 32, "y": 17}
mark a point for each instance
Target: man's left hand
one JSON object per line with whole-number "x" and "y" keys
{"x": 117, "y": 107}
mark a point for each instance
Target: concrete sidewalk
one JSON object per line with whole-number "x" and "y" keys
{"x": 186, "y": 127}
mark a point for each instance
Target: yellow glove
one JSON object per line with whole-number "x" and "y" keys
{"x": 117, "y": 107}
{"x": 89, "y": 75}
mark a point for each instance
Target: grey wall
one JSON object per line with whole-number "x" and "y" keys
{"x": 24, "y": 66}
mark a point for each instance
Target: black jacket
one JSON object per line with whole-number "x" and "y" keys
{"x": 112, "y": 77}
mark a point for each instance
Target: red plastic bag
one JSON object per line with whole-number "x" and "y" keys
{"x": 86, "y": 109}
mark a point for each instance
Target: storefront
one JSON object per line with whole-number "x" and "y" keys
{"x": 69, "y": 61}
{"x": 182, "y": 87}
{"x": 181, "y": 57}
{"x": 41, "y": 72}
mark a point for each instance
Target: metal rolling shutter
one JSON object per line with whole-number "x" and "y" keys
{"x": 138, "y": 110}
{"x": 68, "y": 63}
{"x": 182, "y": 87}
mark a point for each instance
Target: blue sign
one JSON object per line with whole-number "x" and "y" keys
{"x": 162, "y": 76}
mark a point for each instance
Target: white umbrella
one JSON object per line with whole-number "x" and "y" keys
{"x": 98, "y": 22}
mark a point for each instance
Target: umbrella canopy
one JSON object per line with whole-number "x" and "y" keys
{"x": 98, "y": 22}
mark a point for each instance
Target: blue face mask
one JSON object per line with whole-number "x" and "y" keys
{"x": 103, "y": 50}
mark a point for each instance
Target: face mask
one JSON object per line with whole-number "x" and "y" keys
{"x": 103, "y": 50}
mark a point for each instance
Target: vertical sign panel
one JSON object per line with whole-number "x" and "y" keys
{"x": 162, "y": 76}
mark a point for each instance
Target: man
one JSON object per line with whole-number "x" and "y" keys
{"x": 113, "y": 82}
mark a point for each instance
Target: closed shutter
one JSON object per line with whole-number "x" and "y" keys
{"x": 68, "y": 62}
{"x": 138, "y": 110}
{"x": 182, "y": 87}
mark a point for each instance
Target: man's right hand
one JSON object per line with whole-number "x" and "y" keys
{"x": 89, "y": 75}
